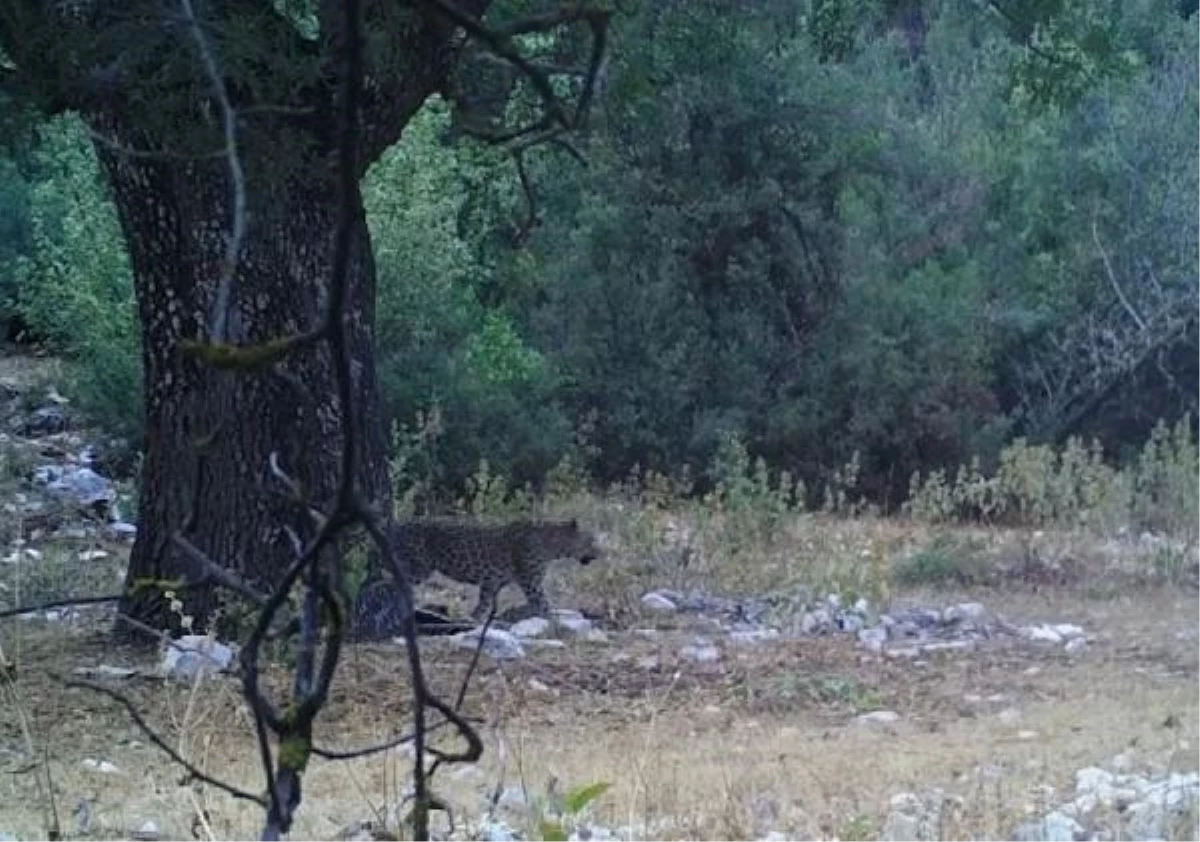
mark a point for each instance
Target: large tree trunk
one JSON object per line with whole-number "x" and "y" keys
{"x": 210, "y": 434}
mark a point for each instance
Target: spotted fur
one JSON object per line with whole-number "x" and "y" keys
{"x": 487, "y": 555}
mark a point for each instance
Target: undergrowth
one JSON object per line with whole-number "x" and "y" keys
{"x": 1073, "y": 487}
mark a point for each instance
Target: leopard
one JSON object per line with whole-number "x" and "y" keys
{"x": 489, "y": 555}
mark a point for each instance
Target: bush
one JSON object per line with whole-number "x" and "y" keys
{"x": 76, "y": 287}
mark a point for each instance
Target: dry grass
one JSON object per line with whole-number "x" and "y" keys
{"x": 761, "y": 740}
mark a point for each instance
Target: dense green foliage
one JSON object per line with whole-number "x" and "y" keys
{"x": 895, "y": 233}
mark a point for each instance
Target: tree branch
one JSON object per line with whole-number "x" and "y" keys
{"x": 192, "y": 770}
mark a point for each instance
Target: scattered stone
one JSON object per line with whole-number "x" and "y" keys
{"x": 1009, "y": 716}
{"x": 647, "y": 662}
{"x": 751, "y": 637}
{"x": 700, "y": 651}
{"x": 816, "y": 622}
{"x": 99, "y": 766}
{"x": 656, "y": 601}
{"x": 43, "y": 421}
{"x": 544, "y": 643}
{"x": 80, "y": 485}
{"x": 1076, "y": 646}
{"x": 573, "y": 622}
{"x": 1054, "y": 827}
{"x": 147, "y": 831}
{"x": 1042, "y": 634}
{"x": 494, "y": 830}
{"x": 594, "y": 636}
{"x": 774, "y": 836}
{"x": 973, "y": 612}
{"x": 530, "y": 627}
{"x": 195, "y": 655}
{"x": 1147, "y": 809}
{"x": 873, "y": 639}
{"x": 120, "y": 529}
{"x": 540, "y": 687}
{"x": 497, "y": 643}
{"x": 914, "y": 818}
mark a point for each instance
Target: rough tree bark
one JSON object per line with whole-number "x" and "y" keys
{"x": 211, "y": 433}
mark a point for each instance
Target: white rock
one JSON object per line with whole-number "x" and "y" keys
{"x": 195, "y": 655}
{"x": 99, "y": 766}
{"x": 750, "y": 637}
{"x": 815, "y": 621}
{"x": 1041, "y": 634}
{"x": 1076, "y": 646}
{"x": 964, "y": 611}
{"x": 861, "y": 605}
{"x": 833, "y": 600}
{"x": 123, "y": 530}
{"x": 497, "y": 644}
{"x": 1054, "y": 827}
{"x": 873, "y": 638}
{"x": 1009, "y": 716}
{"x": 912, "y": 818}
{"x": 851, "y": 623}
{"x": 575, "y": 623}
{"x": 83, "y": 486}
{"x": 1067, "y": 630}
{"x": 700, "y": 651}
{"x": 657, "y": 602}
{"x": 147, "y": 831}
{"x": 594, "y": 636}
{"x": 530, "y": 627}
{"x": 544, "y": 643}
{"x": 496, "y": 831}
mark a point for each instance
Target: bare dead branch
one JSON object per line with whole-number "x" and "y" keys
{"x": 499, "y": 41}
{"x": 58, "y": 603}
{"x": 192, "y": 770}
{"x": 1112, "y": 279}
{"x": 219, "y": 317}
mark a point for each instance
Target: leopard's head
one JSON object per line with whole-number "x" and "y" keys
{"x": 575, "y": 542}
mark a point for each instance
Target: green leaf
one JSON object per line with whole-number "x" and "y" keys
{"x": 580, "y": 797}
{"x": 554, "y": 832}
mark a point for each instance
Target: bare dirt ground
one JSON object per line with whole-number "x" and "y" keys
{"x": 762, "y": 739}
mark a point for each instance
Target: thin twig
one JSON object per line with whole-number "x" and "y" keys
{"x": 219, "y": 318}
{"x": 162, "y": 744}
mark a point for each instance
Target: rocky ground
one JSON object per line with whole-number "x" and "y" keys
{"x": 1056, "y": 712}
